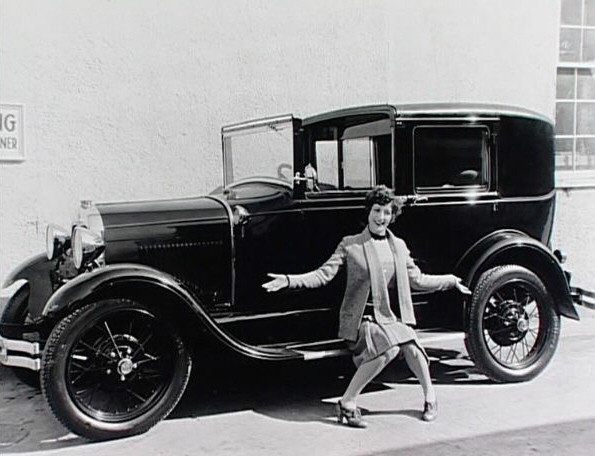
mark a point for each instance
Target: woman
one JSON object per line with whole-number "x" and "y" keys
{"x": 380, "y": 272}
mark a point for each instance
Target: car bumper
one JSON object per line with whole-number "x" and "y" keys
{"x": 19, "y": 353}
{"x": 583, "y": 297}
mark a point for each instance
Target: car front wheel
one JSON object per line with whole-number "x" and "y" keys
{"x": 113, "y": 369}
{"x": 512, "y": 328}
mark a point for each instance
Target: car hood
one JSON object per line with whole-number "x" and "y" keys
{"x": 120, "y": 216}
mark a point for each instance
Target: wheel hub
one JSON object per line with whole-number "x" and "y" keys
{"x": 122, "y": 364}
{"x": 522, "y": 325}
{"x": 512, "y": 323}
{"x": 125, "y": 366}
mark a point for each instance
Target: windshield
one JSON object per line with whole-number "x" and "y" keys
{"x": 258, "y": 149}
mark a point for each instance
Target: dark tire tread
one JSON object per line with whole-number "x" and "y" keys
{"x": 53, "y": 345}
{"x": 474, "y": 341}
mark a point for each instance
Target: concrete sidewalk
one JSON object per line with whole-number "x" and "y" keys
{"x": 292, "y": 413}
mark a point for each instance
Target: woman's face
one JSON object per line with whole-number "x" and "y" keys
{"x": 379, "y": 218}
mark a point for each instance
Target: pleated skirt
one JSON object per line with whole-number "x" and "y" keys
{"x": 375, "y": 339}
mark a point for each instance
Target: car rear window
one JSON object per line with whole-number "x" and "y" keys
{"x": 448, "y": 158}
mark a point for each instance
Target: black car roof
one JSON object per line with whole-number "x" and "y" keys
{"x": 430, "y": 109}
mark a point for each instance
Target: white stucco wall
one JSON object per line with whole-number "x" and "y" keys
{"x": 124, "y": 99}
{"x": 573, "y": 233}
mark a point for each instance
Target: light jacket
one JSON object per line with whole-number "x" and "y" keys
{"x": 364, "y": 272}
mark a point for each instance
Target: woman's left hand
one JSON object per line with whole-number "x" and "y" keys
{"x": 279, "y": 282}
{"x": 461, "y": 287}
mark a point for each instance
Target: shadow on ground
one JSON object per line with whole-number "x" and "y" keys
{"x": 289, "y": 391}
{"x": 297, "y": 391}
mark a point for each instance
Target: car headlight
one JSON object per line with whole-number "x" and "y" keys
{"x": 86, "y": 246}
{"x": 57, "y": 241}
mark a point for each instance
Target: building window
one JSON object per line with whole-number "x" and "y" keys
{"x": 575, "y": 91}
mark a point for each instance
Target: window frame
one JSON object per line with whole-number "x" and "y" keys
{"x": 339, "y": 138}
{"x": 574, "y": 177}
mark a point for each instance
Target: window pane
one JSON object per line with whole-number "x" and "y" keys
{"x": 450, "y": 157}
{"x": 564, "y": 153}
{"x": 570, "y": 40}
{"x": 586, "y": 84}
{"x": 585, "y": 119}
{"x": 357, "y": 163}
{"x": 571, "y": 12}
{"x": 565, "y": 84}
{"x": 564, "y": 118}
{"x": 589, "y": 45}
{"x": 265, "y": 151}
{"x": 327, "y": 165}
{"x": 589, "y": 12}
{"x": 585, "y": 153}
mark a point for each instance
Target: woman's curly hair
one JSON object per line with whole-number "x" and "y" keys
{"x": 383, "y": 195}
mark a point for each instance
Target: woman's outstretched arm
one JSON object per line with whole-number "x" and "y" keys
{"x": 432, "y": 282}
{"x": 313, "y": 279}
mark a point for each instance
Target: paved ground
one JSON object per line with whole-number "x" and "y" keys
{"x": 289, "y": 411}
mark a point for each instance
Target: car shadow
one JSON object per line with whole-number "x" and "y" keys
{"x": 447, "y": 367}
{"x": 289, "y": 391}
{"x": 301, "y": 391}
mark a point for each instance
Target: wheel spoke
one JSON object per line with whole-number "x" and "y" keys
{"x": 535, "y": 310}
{"x": 503, "y": 330}
{"x": 136, "y": 395}
{"x": 147, "y": 360}
{"x": 496, "y": 349}
{"x": 526, "y": 345}
{"x": 142, "y": 345}
{"x": 515, "y": 355}
{"x": 91, "y": 395}
{"x": 112, "y": 339}
{"x": 91, "y": 369}
{"x": 93, "y": 350}
{"x": 498, "y": 296}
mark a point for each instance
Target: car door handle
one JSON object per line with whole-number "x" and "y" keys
{"x": 412, "y": 200}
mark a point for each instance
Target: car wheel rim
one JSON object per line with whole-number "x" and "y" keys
{"x": 513, "y": 325}
{"x": 120, "y": 366}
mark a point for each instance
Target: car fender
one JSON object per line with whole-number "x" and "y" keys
{"x": 98, "y": 282}
{"x": 36, "y": 271}
{"x": 512, "y": 246}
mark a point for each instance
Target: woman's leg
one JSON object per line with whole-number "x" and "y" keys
{"x": 364, "y": 374}
{"x": 419, "y": 366}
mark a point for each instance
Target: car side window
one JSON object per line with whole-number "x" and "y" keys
{"x": 450, "y": 158}
{"x": 327, "y": 164}
{"x": 353, "y": 163}
{"x": 358, "y": 163}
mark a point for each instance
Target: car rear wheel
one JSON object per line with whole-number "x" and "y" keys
{"x": 513, "y": 328}
{"x": 16, "y": 312}
{"x": 113, "y": 369}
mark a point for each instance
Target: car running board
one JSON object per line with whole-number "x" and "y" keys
{"x": 336, "y": 347}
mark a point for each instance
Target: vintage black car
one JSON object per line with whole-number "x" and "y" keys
{"x": 107, "y": 319}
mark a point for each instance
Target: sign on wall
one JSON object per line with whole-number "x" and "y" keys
{"x": 12, "y": 146}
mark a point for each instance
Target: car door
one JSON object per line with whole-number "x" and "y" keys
{"x": 350, "y": 156}
{"x": 452, "y": 186}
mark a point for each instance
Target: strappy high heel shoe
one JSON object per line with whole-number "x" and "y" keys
{"x": 430, "y": 411}
{"x": 353, "y": 417}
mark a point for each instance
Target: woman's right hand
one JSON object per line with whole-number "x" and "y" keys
{"x": 279, "y": 282}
